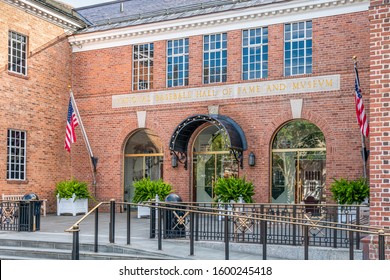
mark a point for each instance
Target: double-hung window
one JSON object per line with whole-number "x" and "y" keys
{"x": 16, "y": 155}
{"x": 177, "y": 63}
{"x": 215, "y": 58}
{"x": 255, "y": 53}
{"x": 17, "y": 53}
{"x": 298, "y": 48}
{"x": 143, "y": 66}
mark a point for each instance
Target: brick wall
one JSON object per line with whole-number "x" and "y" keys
{"x": 379, "y": 117}
{"x": 99, "y": 74}
{"x": 36, "y": 103}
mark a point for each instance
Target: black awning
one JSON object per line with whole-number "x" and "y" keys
{"x": 231, "y": 130}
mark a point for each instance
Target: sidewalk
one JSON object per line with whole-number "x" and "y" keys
{"x": 52, "y": 228}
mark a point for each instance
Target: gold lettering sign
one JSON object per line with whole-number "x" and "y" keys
{"x": 256, "y": 89}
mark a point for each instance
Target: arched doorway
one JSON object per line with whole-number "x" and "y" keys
{"x": 143, "y": 158}
{"x": 211, "y": 160}
{"x": 298, "y": 162}
{"x": 217, "y": 150}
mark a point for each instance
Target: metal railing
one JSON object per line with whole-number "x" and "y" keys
{"x": 20, "y": 215}
{"x": 291, "y": 224}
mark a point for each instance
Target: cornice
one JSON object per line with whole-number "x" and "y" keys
{"x": 216, "y": 22}
{"x": 47, "y": 14}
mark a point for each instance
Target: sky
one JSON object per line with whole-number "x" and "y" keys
{"x": 82, "y": 3}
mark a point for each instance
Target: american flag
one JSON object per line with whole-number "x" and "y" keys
{"x": 70, "y": 126}
{"x": 360, "y": 113}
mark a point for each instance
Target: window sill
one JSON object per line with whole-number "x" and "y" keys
{"x": 14, "y": 74}
{"x": 17, "y": 182}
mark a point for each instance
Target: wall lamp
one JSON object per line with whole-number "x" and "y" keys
{"x": 174, "y": 160}
{"x": 178, "y": 157}
{"x": 252, "y": 159}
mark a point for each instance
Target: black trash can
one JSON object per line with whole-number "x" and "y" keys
{"x": 30, "y": 213}
{"x": 174, "y": 220}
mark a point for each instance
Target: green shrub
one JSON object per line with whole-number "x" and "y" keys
{"x": 232, "y": 188}
{"x": 349, "y": 192}
{"x": 66, "y": 189}
{"x": 146, "y": 189}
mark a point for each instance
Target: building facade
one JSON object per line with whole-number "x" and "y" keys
{"x": 35, "y": 59}
{"x": 190, "y": 91}
{"x": 205, "y": 91}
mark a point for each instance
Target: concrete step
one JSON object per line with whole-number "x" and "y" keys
{"x": 28, "y": 249}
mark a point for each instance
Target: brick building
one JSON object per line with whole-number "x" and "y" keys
{"x": 190, "y": 91}
{"x": 211, "y": 83}
{"x": 35, "y": 59}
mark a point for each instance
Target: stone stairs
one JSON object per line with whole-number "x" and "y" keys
{"x": 29, "y": 249}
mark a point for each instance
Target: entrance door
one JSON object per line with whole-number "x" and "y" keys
{"x": 143, "y": 159}
{"x": 298, "y": 163}
{"x": 210, "y": 162}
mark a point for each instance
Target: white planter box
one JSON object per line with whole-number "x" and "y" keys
{"x": 143, "y": 211}
{"x": 72, "y": 205}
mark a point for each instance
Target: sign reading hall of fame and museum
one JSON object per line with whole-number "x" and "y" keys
{"x": 243, "y": 90}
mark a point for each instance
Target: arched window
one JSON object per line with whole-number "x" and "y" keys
{"x": 298, "y": 162}
{"x": 143, "y": 158}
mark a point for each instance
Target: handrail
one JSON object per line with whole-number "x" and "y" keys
{"x": 266, "y": 215}
{"x": 76, "y": 224}
{"x": 229, "y": 214}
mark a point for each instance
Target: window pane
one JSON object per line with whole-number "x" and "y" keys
{"x": 255, "y": 51}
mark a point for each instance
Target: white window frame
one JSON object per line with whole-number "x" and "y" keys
{"x": 215, "y": 50}
{"x": 304, "y": 56}
{"x": 180, "y": 48}
{"x": 16, "y": 155}
{"x": 17, "y": 53}
{"x": 252, "y": 46}
{"x": 148, "y": 58}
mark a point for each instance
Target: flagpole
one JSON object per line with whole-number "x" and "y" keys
{"x": 93, "y": 159}
{"x": 364, "y": 151}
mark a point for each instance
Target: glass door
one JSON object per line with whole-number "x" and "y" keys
{"x": 298, "y": 163}
{"x": 210, "y": 162}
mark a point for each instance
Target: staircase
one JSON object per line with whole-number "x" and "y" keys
{"x": 13, "y": 249}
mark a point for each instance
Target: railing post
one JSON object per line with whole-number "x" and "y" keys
{"x": 264, "y": 226}
{"x": 294, "y": 225}
{"x": 261, "y": 223}
{"x": 112, "y": 221}
{"x": 152, "y": 220}
{"x": 335, "y": 219}
{"x": 192, "y": 224}
{"x": 351, "y": 257}
{"x": 96, "y": 230}
{"x": 30, "y": 216}
{"x": 159, "y": 229}
{"x": 226, "y": 233}
{"x": 128, "y": 208}
{"x": 381, "y": 244}
{"x": 306, "y": 241}
{"x": 75, "y": 245}
{"x": 197, "y": 226}
{"x": 358, "y": 223}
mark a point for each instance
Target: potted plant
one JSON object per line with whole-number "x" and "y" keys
{"x": 348, "y": 192}
{"x": 72, "y": 197}
{"x": 232, "y": 189}
{"x": 146, "y": 190}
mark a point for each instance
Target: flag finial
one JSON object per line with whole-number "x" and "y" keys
{"x": 354, "y": 58}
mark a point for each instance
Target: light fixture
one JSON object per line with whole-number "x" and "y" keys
{"x": 251, "y": 159}
{"x": 174, "y": 160}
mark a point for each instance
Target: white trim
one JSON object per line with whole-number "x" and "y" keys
{"x": 45, "y": 13}
{"x": 216, "y": 23}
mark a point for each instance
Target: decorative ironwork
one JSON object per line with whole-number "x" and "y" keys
{"x": 232, "y": 135}
{"x": 246, "y": 227}
{"x": 238, "y": 156}
{"x": 181, "y": 157}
